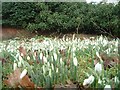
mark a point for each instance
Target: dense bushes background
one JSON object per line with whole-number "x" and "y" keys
{"x": 63, "y": 17}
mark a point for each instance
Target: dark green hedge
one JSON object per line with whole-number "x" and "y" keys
{"x": 63, "y": 17}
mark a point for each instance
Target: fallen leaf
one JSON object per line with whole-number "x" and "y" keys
{"x": 15, "y": 81}
{"x": 26, "y": 82}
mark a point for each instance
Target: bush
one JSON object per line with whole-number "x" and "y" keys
{"x": 63, "y": 17}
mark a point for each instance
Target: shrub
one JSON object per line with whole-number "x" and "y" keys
{"x": 63, "y": 17}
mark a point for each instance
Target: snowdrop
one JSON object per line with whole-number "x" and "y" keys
{"x": 44, "y": 59}
{"x": 75, "y": 62}
{"x": 105, "y": 42}
{"x": 116, "y": 79}
{"x": 57, "y": 70}
{"x": 46, "y": 42}
{"x": 41, "y": 56}
{"x": 55, "y": 56}
{"x": 20, "y": 58}
{"x": 20, "y": 61}
{"x": 99, "y": 81}
{"x": 48, "y": 64}
{"x": 88, "y": 81}
{"x": 74, "y": 48}
{"x": 24, "y": 72}
{"x": 50, "y": 72}
{"x": 61, "y": 61}
{"x": 52, "y": 66}
{"x": 14, "y": 66}
{"x": 22, "y": 54}
{"x": 98, "y": 67}
{"x": 43, "y": 69}
{"x": 107, "y": 87}
{"x": 28, "y": 58}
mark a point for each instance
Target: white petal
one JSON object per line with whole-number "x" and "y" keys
{"x": 48, "y": 64}
{"x": 50, "y": 72}
{"x": 61, "y": 62}
{"x": 57, "y": 70}
{"x": 91, "y": 79}
{"x": 14, "y": 66}
{"x": 24, "y": 72}
{"x": 28, "y": 58}
{"x": 107, "y": 87}
{"x": 22, "y": 54}
{"x": 75, "y": 61}
{"x": 116, "y": 80}
{"x": 41, "y": 56}
{"x": 55, "y": 56}
{"x": 86, "y": 82}
{"x": 44, "y": 59}
{"x": 20, "y": 58}
{"x": 52, "y": 66}
{"x": 99, "y": 81}
{"x": 98, "y": 67}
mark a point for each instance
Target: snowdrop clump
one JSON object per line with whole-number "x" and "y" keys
{"x": 53, "y": 63}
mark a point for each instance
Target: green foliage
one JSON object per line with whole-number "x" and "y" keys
{"x": 63, "y": 17}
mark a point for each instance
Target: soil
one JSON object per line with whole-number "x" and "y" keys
{"x": 9, "y": 33}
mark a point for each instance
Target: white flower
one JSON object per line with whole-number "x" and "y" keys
{"x": 75, "y": 62}
{"x": 91, "y": 79}
{"x": 98, "y": 67}
{"x": 107, "y": 87}
{"x": 99, "y": 81}
{"x": 22, "y": 54}
{"x": 28, "y": 58}
{"x": 43, "y": 69}
{"x": 52, "y": 66}
{"x": 46, "y": 42}
{"x": 116, "y": 79}
{"x": 74, "y": 48}
{"x": 20, "y": 58}
{"x": 14, "y": 66}
{"x": 48, "y": 64}
{"x": 61, "y": 61}
{"x": 19, "y": 64}
{"x": 55, "y": 56}
{"x": 50, "y": 72}
{"x": 73, "y": 54}
{"x": 44, "y": 59}
{"x": 24, "y": 72}
{"x": 57, "y": 70}
{"x": 41, "y": 56}
{"x": 62, "y": 48}
{"x": 88, "y": 81}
